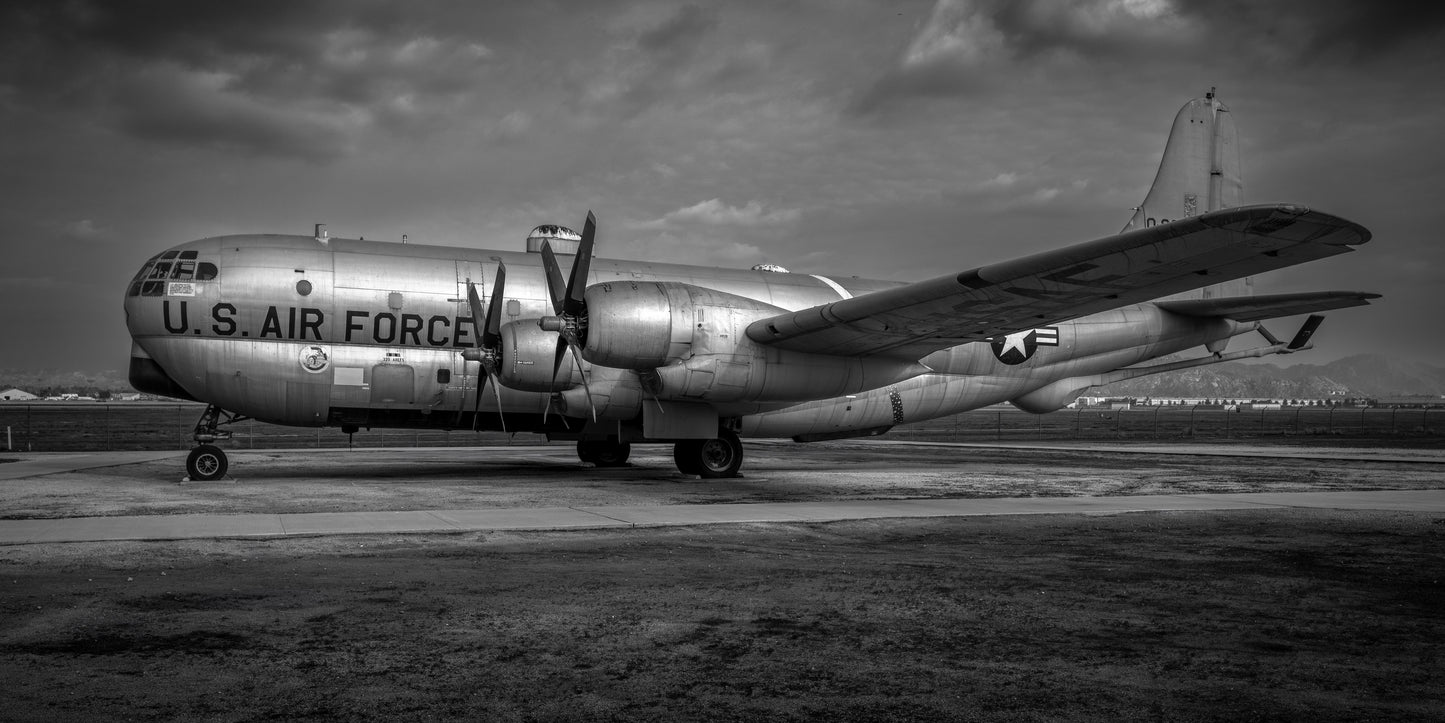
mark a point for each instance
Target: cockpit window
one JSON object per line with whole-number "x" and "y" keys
{"x": 171, "y": 266}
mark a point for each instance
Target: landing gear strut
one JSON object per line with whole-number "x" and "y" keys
{"x": 207, "y": 461}
{"x": 710, "y": 458}
{"x": 603, "y": 452}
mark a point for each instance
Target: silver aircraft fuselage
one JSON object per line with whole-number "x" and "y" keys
{"x": 300, "y": 331}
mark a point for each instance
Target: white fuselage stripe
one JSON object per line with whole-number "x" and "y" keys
{"x": 834, "y": 285}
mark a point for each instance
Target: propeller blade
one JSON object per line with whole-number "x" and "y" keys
{"x": 577, "y": 282}
{"x": 557, "y": 361}
{"x": 556, "y": 286}
{"x": 475, "y": 302}
{"x": 585, "y": 386}
{"x": 497, "y": 390}
{"x": 491, "y": 335}
{"x": 481, "y": 384}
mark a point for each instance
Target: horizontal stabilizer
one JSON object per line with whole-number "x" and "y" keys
{"x": 1302, "y": 338}
{"x": 1272, "y": 306}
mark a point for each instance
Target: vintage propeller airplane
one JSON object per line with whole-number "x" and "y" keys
{"x": 318, "y": 331}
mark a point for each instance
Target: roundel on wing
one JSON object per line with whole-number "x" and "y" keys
{"x": 1019, "y": 347}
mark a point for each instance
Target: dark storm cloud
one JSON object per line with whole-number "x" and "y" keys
{"x": 676, "y": 59}
{"x": 679, "y": 34}
{"x": 269, "y": 78}
{"x": 968, "y": 47}
{"x": 1324, "y": 31}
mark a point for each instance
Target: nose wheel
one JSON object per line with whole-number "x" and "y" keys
{"x": 206, "y": 462}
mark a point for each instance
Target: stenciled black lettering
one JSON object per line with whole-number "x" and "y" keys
{"x": 272, "y": 324}
{"x": 464, "y": 325}
{"x": 290, "y": 322}
{"x": 390, "y": 334}
{"x": 166, "y": 312}
{"x": 311, "y": 320}
{"x": 225, "y": 325}
{"x": 351, "y": 325}
{"x": 431, "y": 330}
{"x": 411, "y": 326}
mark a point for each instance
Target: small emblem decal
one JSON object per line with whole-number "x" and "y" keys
{"x": 314, "y": 359}
{"x": 1020, "y": 347}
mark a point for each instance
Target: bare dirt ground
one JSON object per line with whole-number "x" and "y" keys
{"x": 1257, "y": 615}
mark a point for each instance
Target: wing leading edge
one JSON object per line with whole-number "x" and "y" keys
{"x": 915, "y": 320}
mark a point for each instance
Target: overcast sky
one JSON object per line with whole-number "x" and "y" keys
{"x": 896, "y": 140}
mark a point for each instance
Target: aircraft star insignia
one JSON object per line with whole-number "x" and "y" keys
{"x": 1019, "y": 347}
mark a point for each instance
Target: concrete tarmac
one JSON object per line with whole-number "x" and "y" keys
{"x": 182, "y": 527}
{"x": 202, "y": 526}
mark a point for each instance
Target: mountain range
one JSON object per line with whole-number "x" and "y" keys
{"x": 1362, "y": 375}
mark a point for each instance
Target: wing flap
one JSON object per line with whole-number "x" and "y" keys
{"x": 914, "y": 320}
{"x": 1273, "y": 306}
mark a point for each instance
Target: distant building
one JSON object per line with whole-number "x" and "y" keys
{"x": 16, "y": 395}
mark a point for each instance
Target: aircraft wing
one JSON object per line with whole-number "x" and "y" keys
{"x": 1273, "y": 306}
{"x": 914, "y": 320}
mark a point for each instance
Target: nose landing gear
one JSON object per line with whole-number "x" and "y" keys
{"x": 208, "y": 462}
{"x": 205, "y": 463}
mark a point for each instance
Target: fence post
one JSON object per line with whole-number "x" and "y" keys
{"x": 1154, "y": 433}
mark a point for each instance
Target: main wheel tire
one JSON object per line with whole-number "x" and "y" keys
{"x": 603, "y": 452}
{"x": 710, "y": 458}
{"x": 206, "y": 462}
{"x": 686, "y": 455}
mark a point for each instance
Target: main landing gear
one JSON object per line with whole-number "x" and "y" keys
{"x": 710, "y": 458}
{"x": 603, "y": 452}
{"x": 208, "y": 462}
{"x": 706, "y": 458}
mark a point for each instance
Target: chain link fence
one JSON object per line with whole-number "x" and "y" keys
{"x": 96, "y": 426}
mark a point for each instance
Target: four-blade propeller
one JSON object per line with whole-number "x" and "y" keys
{"x": 570, "y": 304}
{"x": 488, "y": 327}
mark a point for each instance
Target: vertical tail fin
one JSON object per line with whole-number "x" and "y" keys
{"x": 1198, "y": 173}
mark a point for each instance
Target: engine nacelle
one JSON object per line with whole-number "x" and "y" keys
{"x": 616, "y": 394}
{"x": 649, "y": 324}
{"x": 696, "y": 340}
{"x": 1053, "y": 397}
{"x": 527, "y": 356}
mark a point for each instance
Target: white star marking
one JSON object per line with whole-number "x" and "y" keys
{"x": 1015, "y": 341}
